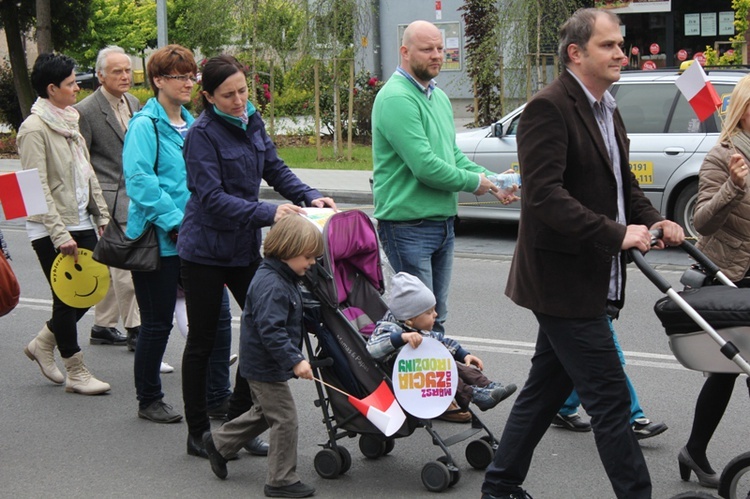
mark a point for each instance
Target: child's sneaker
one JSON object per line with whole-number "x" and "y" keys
{"x": 493, "y": 394}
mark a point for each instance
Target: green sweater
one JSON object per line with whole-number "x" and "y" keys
{"x": 417, "y": 168}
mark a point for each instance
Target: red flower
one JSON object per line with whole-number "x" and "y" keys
{"x": 372, "y": 81}
{"x": 267, "y": 95}
{"x": 265, "y": 86}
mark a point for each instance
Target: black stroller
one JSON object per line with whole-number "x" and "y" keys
{"x": 344, "y": 301}
{"x": 697, "y": 319}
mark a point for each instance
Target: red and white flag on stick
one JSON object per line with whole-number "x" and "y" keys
{"x": 698, "y": 91}
{"x": 21, "y": 194}
{"x": 381, "y": 409}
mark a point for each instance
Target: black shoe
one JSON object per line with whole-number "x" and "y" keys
{"x": 132, "y": 338}
{"x": 513, "y": 495}
{"x": 298, "y": 489}
{"x": 572, "y": 422}
{"x": 219, "y": 411}
{"x": 644, "y": 428}
{"x": 258, "y": 447}
{"x": 160, "y": 412}
{"x": 101, "y": 335}
{"x": 195, "y": 447}
{"x": 218, "y": 463}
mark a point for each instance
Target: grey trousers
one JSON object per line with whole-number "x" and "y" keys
{"x": 273, "y": 407}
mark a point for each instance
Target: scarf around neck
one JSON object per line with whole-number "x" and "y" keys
{"x": 65, "y": 122}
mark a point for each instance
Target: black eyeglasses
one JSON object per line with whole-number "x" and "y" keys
{"x": 182, "y": 78}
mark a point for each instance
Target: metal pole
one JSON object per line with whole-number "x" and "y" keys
{"x": 161, "y": 23}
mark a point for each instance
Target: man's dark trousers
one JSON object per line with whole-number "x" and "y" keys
{"x": 571, "y": 352}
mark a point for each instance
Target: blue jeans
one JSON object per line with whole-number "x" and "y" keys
{"x": 218, "y": 384}
{"x": 571, "y": 404}
{"x": 423, "y": 248}
{"x": 156, "y": 293}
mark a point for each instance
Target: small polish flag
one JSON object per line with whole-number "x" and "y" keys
{"x": 698, "y": 91}
{"x": 381, "y": 409}
{"x": 21, "y": 194}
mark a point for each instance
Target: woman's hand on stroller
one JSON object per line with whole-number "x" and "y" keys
{"x": 473, "y": 360}
{"x": 303, "y": 369}
{"x": 323, "y": 202}
{"x": 413, "y": 338}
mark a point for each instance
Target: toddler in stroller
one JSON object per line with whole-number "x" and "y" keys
{"x": 342, "y": 306}
{"x": 411, "y": 318}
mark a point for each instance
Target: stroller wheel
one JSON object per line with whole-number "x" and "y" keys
{"x": 435, "y": 476}
{"x": 389, "y": 445}
{"x": 328, "y": 463}
{"x": 479, "y": 454}
{"x": 454, "y": 471}
{"x": 732, "y": 475}
{"x": 372, "y": 447}
{"x": 346, "y": 459}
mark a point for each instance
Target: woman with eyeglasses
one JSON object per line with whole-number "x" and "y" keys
{"x": 227, "y": 154}
{"x": 156, "y": 185}
{"x": 49, "y": 140}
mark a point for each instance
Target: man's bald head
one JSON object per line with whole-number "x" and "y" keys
{"x": 417, "y": 29}
{"x": 422, "y": 51}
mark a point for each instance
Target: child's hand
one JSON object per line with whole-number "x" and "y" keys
{"x": 303, "y": 369}
{"x": 414, "y": 339}
{"x": 474, "y": 360}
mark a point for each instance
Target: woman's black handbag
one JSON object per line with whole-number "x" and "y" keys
{"x": 115, "y": 249}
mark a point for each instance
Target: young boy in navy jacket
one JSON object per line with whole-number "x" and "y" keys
{"x": 270, "y": 354}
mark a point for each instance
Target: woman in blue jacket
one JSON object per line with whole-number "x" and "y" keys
{"x": 227, "y": 154}
{"x": 156, "y": 185}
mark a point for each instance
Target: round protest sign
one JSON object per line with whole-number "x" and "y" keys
{"x": 425, "y": 379}
{"x": 82, "y": 284}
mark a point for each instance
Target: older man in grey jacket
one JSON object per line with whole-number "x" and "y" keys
{"x": 103, "y": 123}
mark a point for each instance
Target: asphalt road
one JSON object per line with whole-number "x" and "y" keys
{"x": 56, "y": 444}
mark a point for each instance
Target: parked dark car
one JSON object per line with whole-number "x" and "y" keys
{"x": 87, "y": 80}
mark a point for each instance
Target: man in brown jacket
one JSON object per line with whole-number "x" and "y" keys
{"x": 581, "y": 208}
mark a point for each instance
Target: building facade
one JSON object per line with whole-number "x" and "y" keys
{"x": 658, "y": 33}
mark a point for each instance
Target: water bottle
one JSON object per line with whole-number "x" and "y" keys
{"x": 506, "y": 181}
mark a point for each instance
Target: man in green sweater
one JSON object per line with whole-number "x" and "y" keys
{"x": 417, "y": 168}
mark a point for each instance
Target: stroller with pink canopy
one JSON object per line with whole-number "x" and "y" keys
{"x": 342, "y": 304}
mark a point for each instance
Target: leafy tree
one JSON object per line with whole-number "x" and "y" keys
{"x": 16, "y": 19}
{"x": 739, "y": 44}
{"x": 528, "y": 29}
{"x": 204, "y": 25}
{"x": 131, "y": 24}
{"x": 481, "y": 19}
{"x": 280, "y": 24}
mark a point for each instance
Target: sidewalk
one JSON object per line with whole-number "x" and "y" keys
{"x": 344, "y": 186}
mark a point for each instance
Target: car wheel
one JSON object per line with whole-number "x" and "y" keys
{"x": 683, "y": 210}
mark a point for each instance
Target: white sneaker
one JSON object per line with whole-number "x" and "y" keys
{"x": 166, "y": 368}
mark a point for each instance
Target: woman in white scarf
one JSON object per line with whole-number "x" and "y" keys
{"x": 49, "y": 140}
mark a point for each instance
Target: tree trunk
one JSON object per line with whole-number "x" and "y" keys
{"x": 44, "y": 26}
{"x": 17, "y": 55}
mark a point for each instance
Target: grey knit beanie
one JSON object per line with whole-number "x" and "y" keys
{"x": 409, "y": 297}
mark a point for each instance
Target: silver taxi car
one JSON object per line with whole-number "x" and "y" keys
{"x": 667, "y": 143}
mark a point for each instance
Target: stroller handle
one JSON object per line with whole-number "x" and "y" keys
{"x": 711, "y": 268}
{"x": 318, "y": 363}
